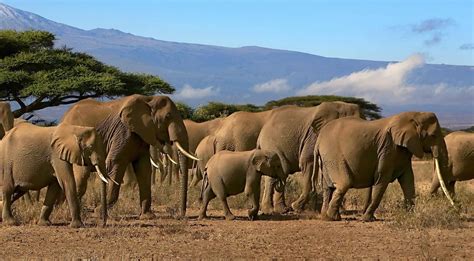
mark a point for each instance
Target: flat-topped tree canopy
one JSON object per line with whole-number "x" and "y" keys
{"x": 370, "y": 110}
{"x": 36, "y": 75}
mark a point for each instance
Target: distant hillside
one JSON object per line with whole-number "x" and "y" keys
{"x": 229, "y": 74}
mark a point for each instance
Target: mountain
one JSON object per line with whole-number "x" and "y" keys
{"x": 230, "y": 74}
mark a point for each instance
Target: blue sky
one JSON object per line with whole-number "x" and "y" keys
{"x": 377, "y": 30}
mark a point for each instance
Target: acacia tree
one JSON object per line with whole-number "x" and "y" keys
{"x": 214, "y": 110}
{"x": 36, "y": 75}
{"x": 370, "y": 110}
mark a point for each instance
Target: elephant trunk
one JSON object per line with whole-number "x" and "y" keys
{"x": 440, "y": 157}
{"x": 183, "y": 164}
{"x": 179, "y": 137}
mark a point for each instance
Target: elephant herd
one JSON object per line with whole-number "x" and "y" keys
{"x": 330, "y": 144}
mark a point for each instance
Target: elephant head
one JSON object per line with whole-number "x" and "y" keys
{"x": 268, "y": 163}
{"x": 81, "y": 146}
{"x": 6, "y": 118}
{"x": 419, "y": 133}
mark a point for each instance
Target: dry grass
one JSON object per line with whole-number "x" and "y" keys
{"x": 429, "y": 212}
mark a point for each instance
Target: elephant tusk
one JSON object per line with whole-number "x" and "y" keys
{"x": 154, "y": 164}
{"x": 100, "y": 174}
{"x": 441, "y": 182}
{"x": 171, "y": 159}
{"x": 102, "y": 177}
{"x": 187, "y": 154}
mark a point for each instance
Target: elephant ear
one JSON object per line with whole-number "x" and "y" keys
{"x": 136, "y": 114}
{"x": 66, "y": 141}
{"x": 259, "y": 160}
{"x": 406, "y": 133}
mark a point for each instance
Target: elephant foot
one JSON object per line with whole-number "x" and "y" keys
{"x": 76, "y": 224}
{"x": 147, "y": 216}
{"x": 267, "y": 209}
{"x": 368, "y": 218}
{"x": 229, "y": 217}
{"x": 331, "y": 217}
{"x": 281, "y": 209}
{"x": 43, "y": 222}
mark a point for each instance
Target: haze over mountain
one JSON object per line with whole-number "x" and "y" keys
{"x": 256, "y": 75}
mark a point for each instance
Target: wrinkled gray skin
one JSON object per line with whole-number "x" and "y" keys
{"x": 460, "y": 146}
{"x": 355, "y": 153}
{"x": 34, "y": 157}
{"x": 291, "y": 132}
{"x": 128, "y": 127}
{"x": 230, "y": 173}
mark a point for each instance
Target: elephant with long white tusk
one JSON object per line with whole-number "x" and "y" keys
{"x": 355, "y": 153}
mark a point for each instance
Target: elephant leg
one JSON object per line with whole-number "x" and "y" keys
{"x": 279, "y": 205}
{"x": 377, "y": 194}
{"x": 142, "y": 169}
{"x": 267, "y": 206}
{"x": 434, "y": 185}
{"x": 332, "y": 213}
{"x": 207, "y": 196}
{"x": 227, "y": 213}
{"x": 52, "y": 193}
{"x": 7, "y": 216}
{"x": 299, "y": 204}
{"x": 367, "y": 198}
{"x": 451, "y": 187}
{"x": 113, "y": 190}
{"x": 407, "y": 183}
{"x": 65, "y": 175}
{"x": 26, "y": 196}
{"x": 327, "y": 196}
{"x": 81, "y": 175}
{"x": 252, "y": 191}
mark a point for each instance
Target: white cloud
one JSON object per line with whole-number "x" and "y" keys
{"x": 389, "y": 85}
{"x": 276, "y": 86}
{"x": 376, "y": 85}
{"x": 188, "y": 92}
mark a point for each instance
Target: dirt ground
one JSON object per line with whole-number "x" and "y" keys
{"x": 284, "y": 236}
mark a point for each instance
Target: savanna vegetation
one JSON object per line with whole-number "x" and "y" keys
{"x": 36, "y": 75}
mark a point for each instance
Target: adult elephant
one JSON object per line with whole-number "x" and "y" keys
{"x": 128, "y": 127}
{"x": 355, "y": 153}
{"x": 291, "y": 132}
{"x": 7, "y": 120}
{"x": 460, "y": 146}
{"x": 33, "y": 157}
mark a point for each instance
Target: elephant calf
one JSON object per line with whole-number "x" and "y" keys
{"x": 33, "y": 157}
{"x": 230, "y": 173}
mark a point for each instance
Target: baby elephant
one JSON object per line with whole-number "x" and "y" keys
{"x": 230, "y": 173}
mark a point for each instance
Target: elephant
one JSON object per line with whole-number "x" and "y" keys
{"x": 355, "y": 153}
{"x": 7, "y": 121}
{"x": 460, "y": 146}
{"x": 34, "y": 157}
{"x": 128, "y": 126}
{"x": 230, "y": 173}
{"x": 237, "y": 132}
{"x": 204, "y": 151}
{"x": 291, "y": 132}
{"x": 196, "y": 132}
